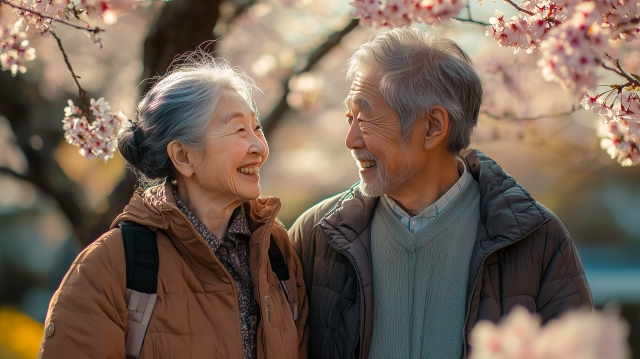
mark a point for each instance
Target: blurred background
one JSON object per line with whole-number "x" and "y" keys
{"x": 53, "y": 202}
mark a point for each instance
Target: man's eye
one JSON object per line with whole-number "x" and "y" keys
{"x": 240, "y": 130}
{"x": 258, "y": 128}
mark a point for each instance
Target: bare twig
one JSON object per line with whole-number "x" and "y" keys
{"x": 272, "y": 120}
{"x": 574, "y": 108}
{"x": 519, "y": 8}
{"x": 618, "y": 70}
{"x": 95, "y": 30}
{"x": 12, "y": 173}
{"x": 470, "y": 17}
{"x": 81, "y": 92}
{"x": 472, "y": 21}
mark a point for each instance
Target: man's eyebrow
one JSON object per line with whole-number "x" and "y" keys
{"x": 362, "y": 104}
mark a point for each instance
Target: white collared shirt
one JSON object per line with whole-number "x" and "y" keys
{"x": 416, "y": 223}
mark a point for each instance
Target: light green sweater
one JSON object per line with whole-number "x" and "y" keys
{"x": 420, "y": 281}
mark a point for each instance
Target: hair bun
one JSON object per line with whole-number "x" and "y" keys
{"x": 130, "y": 145}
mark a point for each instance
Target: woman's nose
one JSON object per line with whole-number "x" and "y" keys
{"x": 258, "y": 144}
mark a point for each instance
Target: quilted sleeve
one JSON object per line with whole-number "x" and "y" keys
{"x": 563, "y": 285}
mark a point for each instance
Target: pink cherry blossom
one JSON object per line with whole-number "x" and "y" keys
{"x": 14, "y": 49}
{"x": 394, "y": 13}
{"x": 575, "y": 335}
{"x": 96, "y": 139}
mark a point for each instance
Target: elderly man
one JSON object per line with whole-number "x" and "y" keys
{"x": 434, "y": 237}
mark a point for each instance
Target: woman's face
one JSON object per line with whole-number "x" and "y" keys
{"x": 235, "y": 149}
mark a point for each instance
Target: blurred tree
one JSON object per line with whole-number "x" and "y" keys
{"x": 179, "y": 26}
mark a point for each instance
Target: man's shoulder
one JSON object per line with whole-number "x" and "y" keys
{"x": 314, "y": 214}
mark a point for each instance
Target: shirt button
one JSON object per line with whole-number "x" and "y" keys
{"x": 222, "y": 251}
{"x": 413, "y": 222}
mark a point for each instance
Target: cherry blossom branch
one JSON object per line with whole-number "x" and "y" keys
{"x": 574, "y": 108}
{"x": 519, "y": 8}
{"x": 471, "y": 21}
{"x": 469, "y": 17}
{"x": 95, "y": 30}
{"x": 619, "y": 70}
{"x": 271, "y": 121}
{"x": 81, "y": 92}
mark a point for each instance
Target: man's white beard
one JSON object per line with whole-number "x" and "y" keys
{"x": 382, "y": 182}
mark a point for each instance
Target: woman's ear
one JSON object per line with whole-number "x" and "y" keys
{"x": 437, "y": 127}
{"x": 180, "y": 157}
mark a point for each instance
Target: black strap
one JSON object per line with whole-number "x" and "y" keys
{"x": 141, "y": 257}
{"x": 278, "y": 264}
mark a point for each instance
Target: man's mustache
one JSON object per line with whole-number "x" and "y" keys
{"x": 362, "y": 154}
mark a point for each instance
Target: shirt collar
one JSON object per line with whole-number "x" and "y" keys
{"x": 439, "y": 205}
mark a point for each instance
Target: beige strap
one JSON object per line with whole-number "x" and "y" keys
{"x": 140, "y": 306}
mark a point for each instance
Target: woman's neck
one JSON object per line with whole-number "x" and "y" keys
{"x": 212, "y": 209}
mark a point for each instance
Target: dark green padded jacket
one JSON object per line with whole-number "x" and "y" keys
{"x": 523, "y": 255}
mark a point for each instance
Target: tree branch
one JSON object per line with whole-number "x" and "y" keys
{"x": 574, "y": 108}
{"x": 273, "y": 119}
{"x": 81, "y": 92}
{"x": 519, "y": 8}
{"x": 619, "y": 70}
{"x": 471, "y": 21}
{"x": 95, "y": 30}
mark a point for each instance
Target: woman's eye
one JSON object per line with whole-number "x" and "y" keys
{"x": 258, "y": 128}
{"x": 349, "y": 119}
{"x": 241, "y": 130}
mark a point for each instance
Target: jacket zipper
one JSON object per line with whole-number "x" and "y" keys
{"x": 475, "y": 283}
{"x": 233, "y": 285}
{"x": 264, "y": 343}
{"x": 346, "y": 254}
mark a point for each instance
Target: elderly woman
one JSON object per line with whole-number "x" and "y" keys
{"x": 197, "y": 138}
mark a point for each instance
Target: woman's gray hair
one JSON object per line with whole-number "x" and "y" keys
{"x": 419, "y": 71}
{"x": 179, "y": 106}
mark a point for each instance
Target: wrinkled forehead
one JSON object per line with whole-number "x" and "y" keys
{"x": 364, "y": 88}
{"x": 232, "y": 104}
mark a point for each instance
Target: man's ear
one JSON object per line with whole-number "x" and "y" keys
{"x": 437, "y": 127}
{"x": 181, "y": 158}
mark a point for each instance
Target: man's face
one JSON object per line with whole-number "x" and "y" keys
{"x": 375, "y": 137}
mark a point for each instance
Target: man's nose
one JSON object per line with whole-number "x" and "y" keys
{"x": 354, "y": 136}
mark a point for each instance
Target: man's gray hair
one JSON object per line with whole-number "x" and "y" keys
{"x": 419, "y": 71}
{"x": 179, "y": 107}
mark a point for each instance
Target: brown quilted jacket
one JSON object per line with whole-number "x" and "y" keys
{"x": 523, "y": 255}
{"x": 196, "y": 314}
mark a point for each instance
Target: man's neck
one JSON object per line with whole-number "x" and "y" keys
{"x": 429, "y": 184}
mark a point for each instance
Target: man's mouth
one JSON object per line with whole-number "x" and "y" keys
{"x": 249, "y": 170}
{"x": 367, "y": 164}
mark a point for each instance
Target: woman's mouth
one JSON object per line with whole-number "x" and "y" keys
{"x": 249, "y": 170}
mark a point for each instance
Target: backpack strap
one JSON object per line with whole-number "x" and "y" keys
{"x": 141, "y": 257}
{"x": 279, "y": 266}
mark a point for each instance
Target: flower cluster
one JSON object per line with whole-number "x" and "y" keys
{"x": 394, "y": 13}
{"x": 622, "y": 104}
{"x": 574, "y": 335}
{"x": 572, "y": 51}
{"x": 621, "y": 142}
{"x": 40, "y": 13}
{"x": 96, "y": 139}
{"x": 523, "y": 32}
{"x": 14, "y": 50}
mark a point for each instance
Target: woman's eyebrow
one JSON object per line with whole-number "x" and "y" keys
{"x": 231, "y": 115}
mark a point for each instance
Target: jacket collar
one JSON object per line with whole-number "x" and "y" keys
{"x": 507, "y": 211}
{"x": 156, "y": 209}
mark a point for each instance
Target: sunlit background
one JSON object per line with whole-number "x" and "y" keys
{"x": 556, "y": 158}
